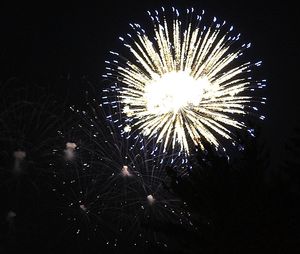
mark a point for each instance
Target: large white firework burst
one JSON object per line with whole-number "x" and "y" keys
{"x": 183, "y": 84}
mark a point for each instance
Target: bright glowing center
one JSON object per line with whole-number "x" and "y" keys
{"x": 173, "y": 91}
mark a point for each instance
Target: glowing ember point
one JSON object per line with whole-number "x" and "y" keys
{"x": 125, "y": 171}
{"x": 19, "y": 155}
{"x": 10, "y": 216}
{"x": 127, "y": 128}
{"x": 83, "y": 208}
{"x": 150, "y": 199}
{"x": 70, "y": 151}
{"x": 128, "y": 111}
{"x": 71, "y": 146}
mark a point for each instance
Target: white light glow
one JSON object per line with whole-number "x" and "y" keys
{"x": 173, "y": 91}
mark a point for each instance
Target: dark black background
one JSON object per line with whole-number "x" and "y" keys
{"x": 57, "y": 45}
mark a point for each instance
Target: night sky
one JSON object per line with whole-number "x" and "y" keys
{"x": 63, "y": 48}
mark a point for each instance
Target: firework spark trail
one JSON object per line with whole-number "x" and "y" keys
{"x": 184, "y": 83}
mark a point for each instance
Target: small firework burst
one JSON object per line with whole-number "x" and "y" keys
{"x": 182, "y": 84}
{"x": 29, "y": 120}
{"x": 132, "y": 180}
{"x": 80, "y": 200}
{"x": 81, "y": 203}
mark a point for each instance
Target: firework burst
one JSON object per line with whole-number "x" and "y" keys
{"x": 134, "y": 191}
{"x": 29, "y": 120}
{"x": 80, "y": 196}
{"x": 183, "y": 84}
